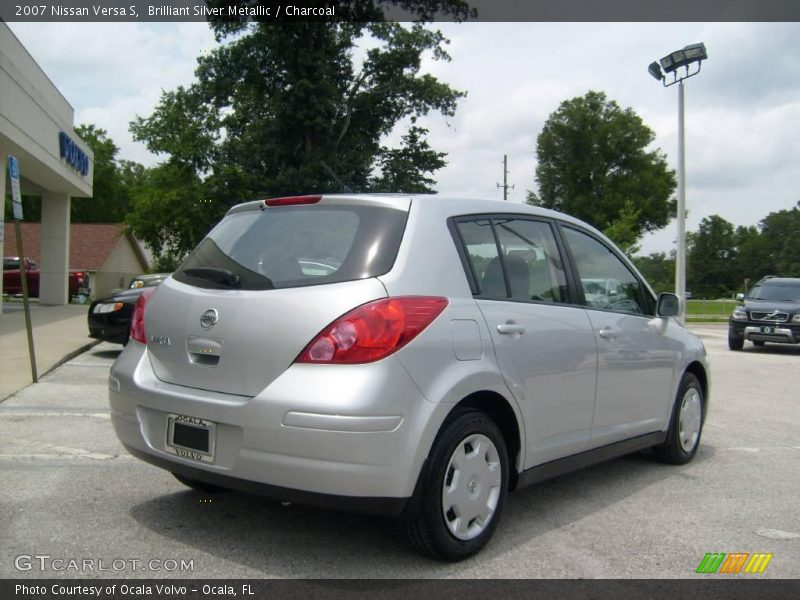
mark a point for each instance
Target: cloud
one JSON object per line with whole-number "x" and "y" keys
{"x": 111, "y": 72}
{"x": 742, "y": 110}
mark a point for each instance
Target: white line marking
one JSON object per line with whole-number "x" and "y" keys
{"x": 777, "y": 534}
{"x": 19, "y": 413}
{"x": 53, "y": 457}
{"x": 77, "y": 452}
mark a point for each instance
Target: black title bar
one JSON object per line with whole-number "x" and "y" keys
{"x": 484, "y": 10}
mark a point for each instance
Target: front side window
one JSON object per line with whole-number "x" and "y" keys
{"x": 606, "y": 281}
{"x": 513, "y": 257}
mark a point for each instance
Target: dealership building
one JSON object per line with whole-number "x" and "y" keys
{"x": 36, "y": 127}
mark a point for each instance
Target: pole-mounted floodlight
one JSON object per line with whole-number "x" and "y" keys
{"x": 655, "y": 70}
{"x": 693, "y": 54}
{"x": 679, "y": 65}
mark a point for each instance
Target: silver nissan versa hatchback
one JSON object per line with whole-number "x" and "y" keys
{"x": 414, "y": 356}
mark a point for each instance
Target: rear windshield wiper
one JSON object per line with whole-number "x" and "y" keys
{"x": 215, "y": 274}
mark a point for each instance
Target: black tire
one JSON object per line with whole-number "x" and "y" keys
{"x": 200, "y": 486}
{"x": 758, "y": 344}
{"x": 680, "y": 447}
{"x": 429, "y": 529}
{"x": 735, "y": 343}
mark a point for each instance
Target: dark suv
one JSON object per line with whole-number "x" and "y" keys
{"x": 770, "y": 313}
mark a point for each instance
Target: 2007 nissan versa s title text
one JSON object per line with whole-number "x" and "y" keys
{"x": 415, "y": 356}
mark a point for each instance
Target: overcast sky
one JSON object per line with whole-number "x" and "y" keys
{"x": 742, "y": 110}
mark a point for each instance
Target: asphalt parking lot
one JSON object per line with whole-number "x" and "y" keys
{"x": 69, "y": 491}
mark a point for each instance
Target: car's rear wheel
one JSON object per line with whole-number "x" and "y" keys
{"x": 463, "y": 488}
{"x": 735, "y": 343}
{"x": 200, "y": 486}
{"x": 686, "y": 426}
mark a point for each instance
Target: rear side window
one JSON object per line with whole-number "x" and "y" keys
{"x": 293, "y": 246}
{"x": 513, "y": 257}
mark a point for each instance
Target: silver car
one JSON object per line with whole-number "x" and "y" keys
{"x": 415, "y": 356}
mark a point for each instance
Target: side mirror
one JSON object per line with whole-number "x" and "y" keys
{"x": 668, "y": 305}
{"x": 740, "y": 297}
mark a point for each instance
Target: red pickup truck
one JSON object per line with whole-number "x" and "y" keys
{"x": 78, "y": 280}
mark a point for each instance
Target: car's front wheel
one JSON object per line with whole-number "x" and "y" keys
{"x": 464, "y": 486}
{"x": 686, "y": 425}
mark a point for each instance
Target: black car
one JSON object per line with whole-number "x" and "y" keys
{"x": 770, "y": 313}
{"x": 110, "y": 317}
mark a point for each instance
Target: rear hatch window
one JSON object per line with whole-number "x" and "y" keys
{"x": 294, "y": 246}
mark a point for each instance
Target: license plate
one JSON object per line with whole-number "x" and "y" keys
{"x": 191, "y": 438}
{"x": 767, "y": 330}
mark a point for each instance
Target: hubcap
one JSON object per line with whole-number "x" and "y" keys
{"x": 690, "y": 419}
{"x": 471, "y": 487}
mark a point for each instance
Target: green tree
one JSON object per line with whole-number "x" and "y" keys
{"x": 779, "y": 232}
{"x": 753, "y": 259}
{"x": 403, "y": 169}
{"x": 277, "y": 100}
{"x": 712, "y": 269}
{"x": 167, "y": 207}
{"x": 658, "y": 269}
{"x": 594, "y": 164}
{"x": 113, "y": 181}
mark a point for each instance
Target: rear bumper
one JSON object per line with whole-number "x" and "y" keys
{"x": 317, "y": 435}
{"x": 113, "y": 327}
{"x": 388, "y": 507}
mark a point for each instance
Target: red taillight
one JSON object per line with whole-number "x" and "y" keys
{"x": 373, "y": 331}
{"x": 292, "y": 200}
{"x": 137, "y": 321}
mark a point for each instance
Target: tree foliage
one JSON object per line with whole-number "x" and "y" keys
{"x": 594, "y": 164}
{"x": 277, "y": 101}
{"x": 113, "y": 184}
{"x": 779, "y": 231}
{"x": 658, "y": 269}
{"x": 711, "y": 258}
{"x": 720, "y": 257}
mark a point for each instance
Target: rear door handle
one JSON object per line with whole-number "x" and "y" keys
{"x": 607, "y": 333}
{"x": 510, "y": 328}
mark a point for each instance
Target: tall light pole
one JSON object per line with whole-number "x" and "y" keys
{"x": 681, "y": 65}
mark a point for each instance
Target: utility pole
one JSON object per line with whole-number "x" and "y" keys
{"x": 505, "y": 185}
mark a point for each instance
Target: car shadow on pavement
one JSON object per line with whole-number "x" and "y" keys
{"x": 268, "y": 539}
{"x": 111, "y": 354}
{"x": 784, "y": 349}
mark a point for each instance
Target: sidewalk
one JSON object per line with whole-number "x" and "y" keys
{"x": 59, "y": 332}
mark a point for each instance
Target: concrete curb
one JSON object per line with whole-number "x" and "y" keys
{"x": 70, "y": 356}
{"x": 66, "y": 358}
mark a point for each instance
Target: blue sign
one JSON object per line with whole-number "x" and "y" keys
{"x": 13, "y": 167}
{"x": 16, "y": 196}
{"x": 74, "y": 156}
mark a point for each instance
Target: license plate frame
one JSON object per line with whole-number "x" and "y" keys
{"x": 768, "y": 329}
{"x": 190, "y": 432}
